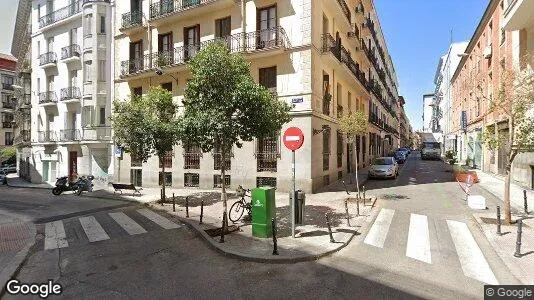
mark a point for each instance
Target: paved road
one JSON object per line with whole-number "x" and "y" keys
{"x": 131, "y": 253}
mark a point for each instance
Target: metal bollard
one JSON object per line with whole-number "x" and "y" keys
{"x": 363, "y": 193}
{"x": 347, "y": 212}
{"x": 201, "y": 210}
{"x": 374, "y": 202}
{"x": 525, "y": 204}
{"x": 499, "y": 220}
{"x": 329, "y": 228}
{"x": 518, "y": 242}
{"x": 275, "y": 242}
{"x": 358, "y": 207}
{"x": 173, "y": 203}
{"x": 187, "y": 206}
{"x": 344, "y": 185}
{"x": 223, "y": 227}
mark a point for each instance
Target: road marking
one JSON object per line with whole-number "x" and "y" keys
{"x": 158, "y": 219}
{"x": 377, "y": 235}
{"x": 127, "y": 223}
{"x": 93, "y": 230}
{"x": 418, "y": 246}
{"x": 471, "y": 258}
{"x": 55, "y": 236}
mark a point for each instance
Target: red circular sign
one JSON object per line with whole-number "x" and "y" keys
{"x": 293, "y": 138}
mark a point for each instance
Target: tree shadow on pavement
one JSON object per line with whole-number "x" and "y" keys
{"x": 314, "y": 215}
{"x": 195, "y": 199}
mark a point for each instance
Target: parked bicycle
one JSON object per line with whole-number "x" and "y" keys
{"x": 238, "y": 208}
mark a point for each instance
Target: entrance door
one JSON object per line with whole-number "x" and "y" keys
{"x": 73, "y": 164}
{"x": 350, "y": 159}
{"x": 46, "y": 167}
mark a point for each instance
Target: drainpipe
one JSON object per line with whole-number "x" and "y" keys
{"x": 243, "y": 25}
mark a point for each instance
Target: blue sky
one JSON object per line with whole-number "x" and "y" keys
{"x": 417, "y": 34}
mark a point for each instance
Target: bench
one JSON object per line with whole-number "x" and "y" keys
{"x": 122, "y": 186}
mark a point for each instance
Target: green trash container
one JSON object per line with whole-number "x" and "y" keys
{"x": 263, "y": 210}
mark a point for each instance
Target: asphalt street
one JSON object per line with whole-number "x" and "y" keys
{"x": 100, "y": 252}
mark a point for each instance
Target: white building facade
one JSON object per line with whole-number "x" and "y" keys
{"x": 428, "y": 111}
{"x": 71, "y": 89}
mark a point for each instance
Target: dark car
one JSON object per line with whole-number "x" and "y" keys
{"x": 400, "y": 157}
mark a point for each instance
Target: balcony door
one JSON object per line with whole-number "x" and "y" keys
{"x": 266, "y": 25}
{"x": 223, "y": 31}
{"x": 74, "y": 36}
{"x": 135, "y": 5}
{"x": 165, "y": 49}
{"x": 191, "y": 41}
{"x": 136, "y": 56}
{"x": 267, "y": 78}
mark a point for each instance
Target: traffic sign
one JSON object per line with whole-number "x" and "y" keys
{"x": 293, "y": 138}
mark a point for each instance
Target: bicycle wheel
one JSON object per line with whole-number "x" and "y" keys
{"x": 236, "y": 211}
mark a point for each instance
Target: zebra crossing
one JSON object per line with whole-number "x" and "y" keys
{"x": 56, "y": 236}
{"x": 418, "y": 242}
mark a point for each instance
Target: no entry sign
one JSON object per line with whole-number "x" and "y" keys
{"x": 293, "y": 138}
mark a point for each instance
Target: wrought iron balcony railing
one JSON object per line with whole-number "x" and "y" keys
{"x": 70, "y": 51}
{"x": 47, "y": 97}
{"x": 192, "y": 160}
{"x": 68, "y": 135}
{"x": 69, "y": 93}
{"x": 47, "y": 58}
{"x": 266, "y": 161}
{"x": 47, "y": 136}
{"x": 7, "y": 86}
{"x": 97, "y": 133}
{"x": 132, "y": 19}
{"x": 344, "y": 8}
{"x": 167, "y": 7}
{"x": 60, "y": 14}
{"x": 9, "y": 104}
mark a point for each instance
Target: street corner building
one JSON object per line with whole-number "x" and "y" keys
{"x": 504, "y": 35}
{"x": 8, "y": 104}
{"x": 325, "y": 58}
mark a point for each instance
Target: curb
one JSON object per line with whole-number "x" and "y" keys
{"x": 259, "y": 259}
{"x": 16, "y": 263}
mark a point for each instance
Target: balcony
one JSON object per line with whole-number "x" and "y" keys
{"x": 47, "y": 98}
{"x": 48, "y": 60}
{"x": 47, "y": 136}
{"x": 60, "y": 14}
{"x": 171, "y": 10}
{"x": 69, "y": 135}
{"x": 339, "y": 111}
{"x": 97, "y": 134}
{"x": 70, "y": 53}
{"x": 7, "y": 86}
{"x": 7, "y": 124}
{"x": 354, "y": 33}
{"x": 131, "y": 22}
{"x": 326, "y": 107}
{"x": 257, "y": 43}
{"x": 22, "y": 137}
{"x": 9, "y": 105}
{"x": 518, "y": 14}
{"x": 344, "y": 8}
{"x": 23, "y": 101}
{"x": 70, "y": 94}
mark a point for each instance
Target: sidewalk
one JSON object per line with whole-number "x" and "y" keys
{"x": 495, "y": 185}
{"x": 15, "y": 181}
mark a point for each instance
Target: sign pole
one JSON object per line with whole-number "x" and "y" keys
{"x": 294, "y": 196}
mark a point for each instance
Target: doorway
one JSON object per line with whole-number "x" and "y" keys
{"x": 73, "y": 165}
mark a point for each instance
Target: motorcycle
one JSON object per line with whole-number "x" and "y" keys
{"x": 63, "y": 185}
{"x": 84, "y": 183}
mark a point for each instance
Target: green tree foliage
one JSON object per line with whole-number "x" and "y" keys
{"x": 147, "y": 125}
{"x": 353, "y": 125}
{"x": 8, "y": 153}
{"x": 225, "y": 107}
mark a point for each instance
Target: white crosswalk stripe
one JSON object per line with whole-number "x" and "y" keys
{"x": 93, "y": 230}
{"x": 158, "y": 219}
{"x": 55, "y": 236}
{"x": 471, "y": 258}
{"x": 379, "y": 230}
{"x": 127, "y": 223}
{"x": 418, "y": 246}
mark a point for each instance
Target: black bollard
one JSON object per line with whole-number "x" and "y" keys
{"x": 275, "y": 242}
{"x": 173, "y": 203}
{"x": 347, "y": 212}
{"x": 374, "y": 202}
{"x": 363, "y": 194}
{"x": 201, "y": 210}
{"x": 358, "y": 207}
{"x": 346, "y": 189}
{"x": 518, "y": 242}
{"x": 499, "y": 220}
{"x": 329, "y": 229}
{"x": 187, "y": 206}
{"x": 223, "y": 227}
{"x": 525, "y": 204}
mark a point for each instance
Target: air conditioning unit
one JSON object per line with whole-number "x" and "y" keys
{"x": 487, "y": 51}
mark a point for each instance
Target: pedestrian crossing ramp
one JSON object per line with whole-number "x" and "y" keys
{"x": 103, "y": 227}
{"x": 417, "y": 244}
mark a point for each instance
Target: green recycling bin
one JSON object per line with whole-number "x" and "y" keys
{"x": 263, "y": 210}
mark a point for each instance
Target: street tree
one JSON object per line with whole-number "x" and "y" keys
{"x": 147, "y": 125}
{"x": 515, "y": 101}
{"x": 353, "y": 125}
{"x": 225, "y": 107}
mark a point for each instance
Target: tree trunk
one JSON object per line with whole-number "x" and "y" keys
{"x": 223, "y": 188}
{"x": 163, "y": 180}
{"x": 356, "y": 167}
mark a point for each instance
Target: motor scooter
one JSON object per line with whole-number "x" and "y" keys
{"x": 63, "y": 184}
{"x": 84, "y": 183}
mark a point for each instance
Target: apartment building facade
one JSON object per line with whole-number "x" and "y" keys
{"x": 71, "y": 63}
{"x": 325, "y": 58}
{"x": 7, "y": 106}
{"x": 492, "y": 49}
{"x": 429, "y": 122}
{"x": 405, "y": 130}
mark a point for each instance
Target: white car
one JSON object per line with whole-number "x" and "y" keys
{"x": 384, "y": 167}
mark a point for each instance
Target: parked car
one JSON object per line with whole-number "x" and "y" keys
{"x": 9, "y": 169}
{"x": 400, "y": 157}
{"x": 384, "y": 167}
{"x": 404, "y": 150}
{"x": 3, "y": 177}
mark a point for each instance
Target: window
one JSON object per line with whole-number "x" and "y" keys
{"x": 168, "y": 178}
{"x": 136, "y": 56}
{"x": 50, "y": 44}
{"x": 87, "y": 24}
{"x": 87, "y": 116}
{"x": 192, "y": 156}
{"x": 266, "y": 21}
{"x": 349, "y": 99}
{"x": 223, "y": 27}
{"x": 101, "y": 70}
{"x": 339, "y": 149}
{"x": 217, "y": 159}
{"x": 191, "y": 41}
{"x": 267, "y": 151}
{"x": 74, "y": 36}
{"x": 38, "y": 49}
{"x": 326, "y": 149}
{"x": 73, "y": 78}
{"x": 217, "y": 183}
{"x": 166, "y": 160}
{"x": 191, "y": 179}
{"x": 50, "y": 85}
{"x": 266, "y": 181}
{"x": 503, "y": 36}
{"x": 268, "y": 78}
{"x": 165, "y": 48}
{"x": 167, "y": 86}
{"x": 88, "y": 72}
{"x": 38, "y": 11}
{"x": 136, "y": 177}
{"x": 102, "y": 115}
{"x": 102, "y": 24}
{"x": 8, "y": 138}
{"x": 137, "y": 91}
